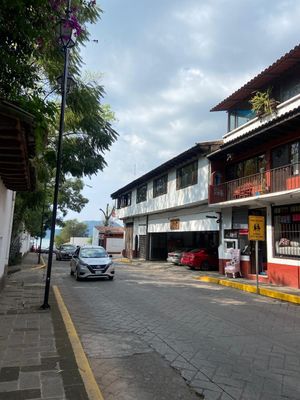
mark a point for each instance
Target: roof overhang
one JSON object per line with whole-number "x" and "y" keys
{"x": 203, "y": 148}
{"x": 274, "y": 71}
{"x": 17, "y": 146}
{"x": 287, "y": 123}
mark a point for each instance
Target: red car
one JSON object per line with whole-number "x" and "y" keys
{"x": 200, "y": 259}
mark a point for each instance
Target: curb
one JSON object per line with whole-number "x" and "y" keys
{"x": 291, "y": 298}
{"x": 84, "y": 368}
{"x": 123, "y": 260}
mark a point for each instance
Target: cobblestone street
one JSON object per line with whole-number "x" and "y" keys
{"x": 226, "y": 344}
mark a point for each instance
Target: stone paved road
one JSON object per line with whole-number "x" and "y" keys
{"x": 226, "y": 344}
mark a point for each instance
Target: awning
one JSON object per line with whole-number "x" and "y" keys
{"x": 17, "y": 147}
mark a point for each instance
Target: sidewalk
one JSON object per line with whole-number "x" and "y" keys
{"x": 36, "y": 357}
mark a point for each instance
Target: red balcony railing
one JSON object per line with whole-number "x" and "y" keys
{"x": 270, "y": 181}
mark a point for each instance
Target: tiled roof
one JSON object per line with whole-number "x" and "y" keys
{"x": 110, "y": 229}
{"x": 261, "y": 80}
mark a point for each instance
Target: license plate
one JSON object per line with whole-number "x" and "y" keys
{"x": 98, "y": 272}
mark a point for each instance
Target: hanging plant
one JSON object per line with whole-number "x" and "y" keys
{"x": 262, "y": 103}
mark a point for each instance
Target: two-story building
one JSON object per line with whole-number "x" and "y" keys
{"x": 167, "y": 208}
{"x": 256, "y": 171}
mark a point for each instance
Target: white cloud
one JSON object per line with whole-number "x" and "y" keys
{"x": 166, "y": 64}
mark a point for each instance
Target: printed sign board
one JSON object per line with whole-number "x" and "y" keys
{"x": 256, "y": 227}
{"x": 174, "y": 224}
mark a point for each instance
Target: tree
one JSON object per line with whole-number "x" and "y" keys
{"x": 107, "y": 214}
{"x": 72, "y": 228}
{"x": 30, "y": 61}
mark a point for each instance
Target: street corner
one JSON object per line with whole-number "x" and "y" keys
{"x": 251, "y": 288}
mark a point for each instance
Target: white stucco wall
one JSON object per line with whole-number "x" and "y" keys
{"x": 25, "y": 242}
{"x": 173, "y": 198}
{"x": 115, "y": 245}
{"x": 7, "y": 199}
{"x": 79, "y": 241}
{"x": 191, "y": 220}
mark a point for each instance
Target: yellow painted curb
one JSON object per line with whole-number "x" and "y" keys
{"x": 252, "y": 289}
{"x": 86, "y": 373}
{"x": 40, "y": 266}
{"x": 123, "y": 260}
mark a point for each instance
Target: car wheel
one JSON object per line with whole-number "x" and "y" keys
{"x": 111, "y": 278}
{"x": 76, "y": 275}
{"x": 205, "y": 266}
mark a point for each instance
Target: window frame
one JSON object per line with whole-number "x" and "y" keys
{"x": 194, "y": 175}
{"x": 124, "y": 200}
{"x": 164, "y": 190}
{"x": 139, "y": 189}
{"x": 290, "y": 229}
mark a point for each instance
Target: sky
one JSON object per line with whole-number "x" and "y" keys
{"x": 164, "y": 64}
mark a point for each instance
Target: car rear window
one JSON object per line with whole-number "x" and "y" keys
{"x": 68, "y": 247}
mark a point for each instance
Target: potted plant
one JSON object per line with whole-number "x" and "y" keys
{"x": 262, "y": 103}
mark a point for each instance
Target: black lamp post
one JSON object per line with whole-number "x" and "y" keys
{"x": 66, "y": 40}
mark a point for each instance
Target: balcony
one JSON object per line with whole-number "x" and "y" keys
{"x": 270, "y": 181}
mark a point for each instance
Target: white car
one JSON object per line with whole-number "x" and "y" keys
{"x": 92, "y": 262}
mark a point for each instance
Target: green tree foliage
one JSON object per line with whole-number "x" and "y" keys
{"x": 72, "y": 228}
{"x": 30, "y": 62}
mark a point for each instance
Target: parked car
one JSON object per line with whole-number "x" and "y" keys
{"x": 175, "y": 255}
{"x": 65, "y": 252}
{"x": 92, "y": 262}
{"x": 200, "y": 259}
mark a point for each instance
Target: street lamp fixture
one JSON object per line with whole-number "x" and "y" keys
{"x": 71, "y": 83}
{"x": 66, "y": 33}
{"x": 66, "y": 40}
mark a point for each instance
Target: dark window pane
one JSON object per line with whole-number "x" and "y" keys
{"x": 141, "y": 194}
{"x": 124, "y": 200}
{"x": 280, "y": 156}
{"x": 187, "y": 175}
{"x": 160, "y": 186}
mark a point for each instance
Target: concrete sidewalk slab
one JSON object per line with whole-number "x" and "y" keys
{"x": 36, "y": 357}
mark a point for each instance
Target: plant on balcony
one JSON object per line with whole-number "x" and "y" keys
{"x": 262, "y": 103}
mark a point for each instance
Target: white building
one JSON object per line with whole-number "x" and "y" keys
{"x": 109, "y": 237}
{"x": 167, "y": 207}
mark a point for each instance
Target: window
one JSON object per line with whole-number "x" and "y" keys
{"x": 247, "y": 167}
{"x": 286, "y": 221}
{"x": 288, "y": 154}
{"x": 160, "y": 186}
{"x": 237, "y": 118}
{"x": 187, "y": 175}
{"x": 124, "y": 200}
{"x": 141, "y": 193}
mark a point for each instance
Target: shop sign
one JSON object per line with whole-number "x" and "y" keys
{"x": 256, "y": 227}
{"x": 174, "y": 224}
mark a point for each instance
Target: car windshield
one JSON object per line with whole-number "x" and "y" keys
{"x": 93, "y": 253}
{"x": 71, "y": 248}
